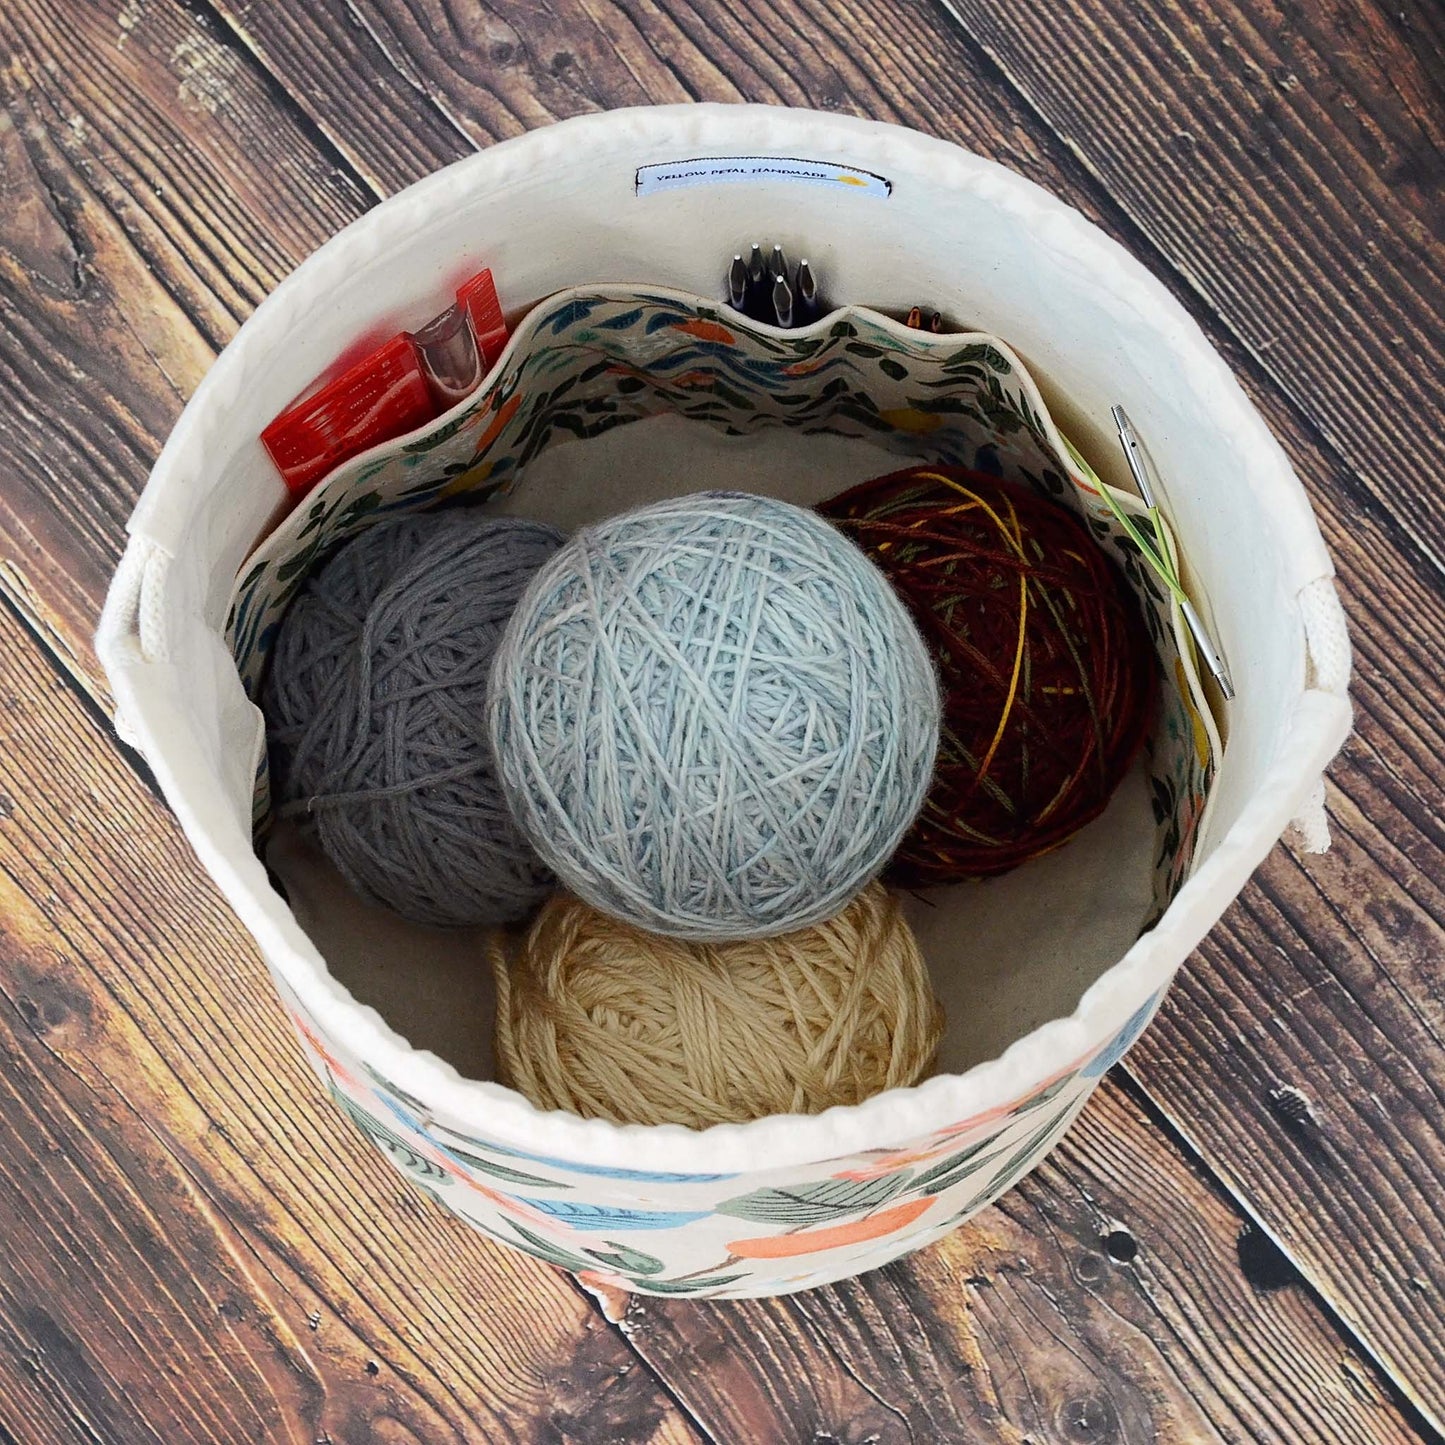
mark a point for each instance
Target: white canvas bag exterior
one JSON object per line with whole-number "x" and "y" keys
{"x": 563, "y": 206}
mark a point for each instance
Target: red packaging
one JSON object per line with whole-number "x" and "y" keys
{"x": 478, "y": 298}
{"x": 402, "y": 384}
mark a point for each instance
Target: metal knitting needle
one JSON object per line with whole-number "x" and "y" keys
{"x": 1139, "y": 470}
{"x": 757, "y": 299}
{"x": 935, "y": 323}
{"x": 779, "y": 264}
{"x": 807, "y": 292}
{"x": 737, "y": 283}
{"x": 782, "y": 301}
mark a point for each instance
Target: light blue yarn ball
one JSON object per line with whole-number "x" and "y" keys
{"x": 713, "y": 717}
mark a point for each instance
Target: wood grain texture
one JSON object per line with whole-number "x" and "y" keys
{"x": 429, "y": 80}
{"x": 154, "y": 189}
{"x": 196, "y": 1249}
{"x": 1101, "y": 1301}
{"x": 1328, "y": 975}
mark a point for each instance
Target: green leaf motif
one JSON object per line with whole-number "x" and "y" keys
{"x": 947, "y": 1181}
{"x": 979, "y": 351}
{"x": 624, "y": 1257}
{"x": 499, "y": 1171}
{"x": 253, "y": 576}
{"x": 1027, "y": 1154}
{"x": 297, "y": 567}
{"x": 387, "y": 1087}
{"x": 544, "y": 1249}
{"x": 390, "y": 1144}
{"x": 1045, "y": 1096}
{"x": 818, "y": 1203}
{"x": 955, "y": 1167}
{"x": 443, "y": 433}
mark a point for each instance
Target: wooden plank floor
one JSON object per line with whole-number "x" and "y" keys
{"x": 1242, "y": 1239}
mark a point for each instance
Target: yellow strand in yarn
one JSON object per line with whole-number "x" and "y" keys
{"x": 607, "y": 1021}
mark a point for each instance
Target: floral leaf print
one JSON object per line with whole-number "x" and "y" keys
{"x": 661, "y": 317}
{"x": 1046, "y": 1095}
{"x": 814, "y": 1203}
{"x": 607, "y": 1216}
{"x": 605, "y": 1171}
{"x": 979, "y": 353}
{"x": 253, "y": 576}
{"x": 699, "y": 1285}
{"x": 624, "y": 1257}
{"x": 625, "y": 322}
{"x": 1029, "y": 1153}
{"x": 544, "y": 1249}
{"x": 499, "y": 1171}
{"x": 397, "y": 1149}
{"x": 297, "y": 566}
{"x": 571, "y": 313}
{"x": 957, "y": 1166}
{"x": 393, "y": 1091}
{"x": 1162, "y": 790}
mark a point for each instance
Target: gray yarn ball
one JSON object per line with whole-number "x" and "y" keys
{"x": 713, "y": 717}
{"x": 376, "y": 713}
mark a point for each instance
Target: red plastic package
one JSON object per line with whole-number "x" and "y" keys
{"x": 402, "y": 384}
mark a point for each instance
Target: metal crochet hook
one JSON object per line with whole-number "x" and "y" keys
{"x": 1139, "y": 469}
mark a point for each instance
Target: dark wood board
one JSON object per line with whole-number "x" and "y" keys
{"x": 155, "y": 190}
{"x": 1287, "y": 157}
{"x": 164, "y": 166}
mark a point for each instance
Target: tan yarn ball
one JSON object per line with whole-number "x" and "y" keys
{"x": 600, "y": 1018}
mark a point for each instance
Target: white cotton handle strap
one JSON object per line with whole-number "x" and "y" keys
{"x": 1328, "y": 643}
{"x": 141, "y": 634}
{"x": 131, "y": 631}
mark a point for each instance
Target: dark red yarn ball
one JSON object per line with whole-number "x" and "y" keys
{"x": 1048, "y": 674}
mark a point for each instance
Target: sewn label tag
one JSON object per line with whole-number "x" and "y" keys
{"x": 755, "y": 170}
